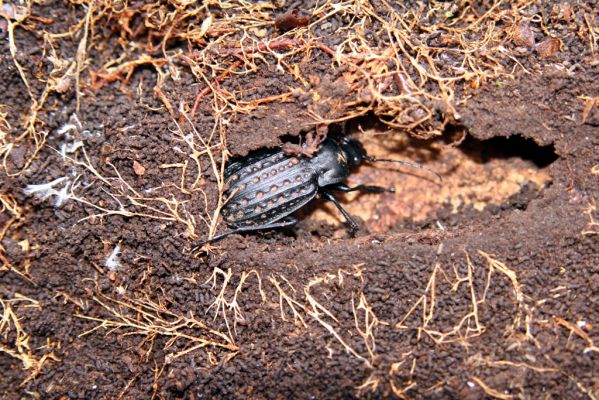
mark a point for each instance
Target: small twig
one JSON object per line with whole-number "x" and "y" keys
{"x": 216, "y": 80}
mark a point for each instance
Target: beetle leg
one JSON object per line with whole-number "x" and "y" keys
{"x": 279, "y": 224}
{"x": 348, "y": 218}
{"x": 372, "y": 189}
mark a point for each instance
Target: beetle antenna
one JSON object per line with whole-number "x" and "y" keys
{"x": 408, "y": 163}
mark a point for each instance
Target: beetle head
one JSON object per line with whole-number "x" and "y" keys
{"x": 353, "y": 150}
{"x": 356, "y": 155}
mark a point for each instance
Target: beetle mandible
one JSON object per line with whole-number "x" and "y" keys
{"x": 264, "y": 190}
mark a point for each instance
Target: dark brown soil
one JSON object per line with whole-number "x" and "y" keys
{"x": 481, "y": 286}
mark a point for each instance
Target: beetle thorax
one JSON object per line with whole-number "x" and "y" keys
{"x": 334, "y": 162}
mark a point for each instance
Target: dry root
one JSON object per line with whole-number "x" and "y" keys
{"x": 409, "y": 65}
{"x": 305, "y": 305}
{"x": 358, "y": 337}
{"x": 592, "y": 227}
{"x": 107, "y": 193}
{"x": 15, "y": 340}
{"x": 151, "y": 320}
{"x": 11, "y": 217}
{"x": 422, "y": 315}
{"x": 224, "y": 306}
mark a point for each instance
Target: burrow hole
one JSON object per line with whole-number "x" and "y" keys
{"x": 477, "y": 175}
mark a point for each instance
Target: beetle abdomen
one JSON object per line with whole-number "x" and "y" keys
{"x": 268, "y": 190}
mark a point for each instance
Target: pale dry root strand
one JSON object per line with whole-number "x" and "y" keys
{"x": 287, "y": 301}
{"x": 12, "y": 217}
{"x": 576, "y": 330}
{"x": 128, "y": 201}
{"x": 301, "y": 309}
{"x": 468, "y": 328}
{"x": 223, "y": 306}
{"x": 365, "y": 323}
{"x": 58, "y": 80}
{"x": 217, "y": 154}
{"x": 149, "y": 319}
{"x": 121, "y": 197}
{"x": 412, "y": 80}
{"x": 4, "y": 124}
{"x": 470, "y": 325}
{"x": 131, "y": 202}
{"x": 300, "y": 306}
{"x": 326, "y": 319}
{"x": 157, "y": 373}
{"x": 590, "y": 211}
{"x": 14, "y": 340}
{"x": 13, "y": 212}
{"x": 490, "y": 391}
{"x": 303, "y": 306}
{"x": 409, "y": 84}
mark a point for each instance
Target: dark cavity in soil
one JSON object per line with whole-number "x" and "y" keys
{"x": 476, "y": 174}
{"x": 504, "y": 148}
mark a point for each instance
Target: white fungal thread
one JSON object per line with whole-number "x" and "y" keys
{"x": 45, "y": 190}
{"x": 69, "y": 148}
{"x": 70, "y": 145}
{"x": 113, "y": 262}
{"x": 66, "y": 128}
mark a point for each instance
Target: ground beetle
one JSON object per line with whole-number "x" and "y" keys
{"x": 266, "y": 188}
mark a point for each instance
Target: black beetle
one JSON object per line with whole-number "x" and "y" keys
{"x": 265, "y": 189}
